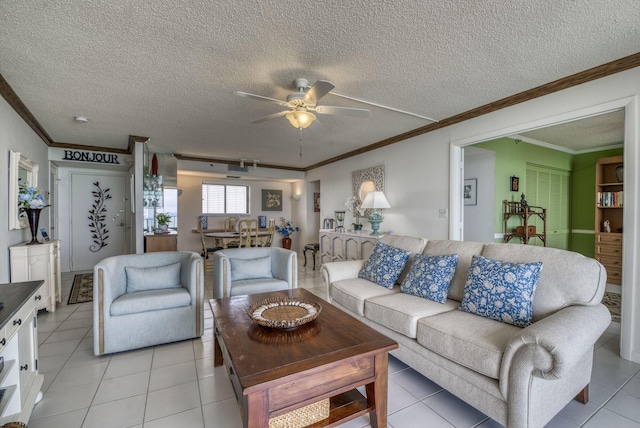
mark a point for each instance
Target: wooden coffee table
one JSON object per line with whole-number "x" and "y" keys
{"x": 276, "y": 371}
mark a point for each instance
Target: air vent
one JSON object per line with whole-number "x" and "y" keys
{"x": 237, "y": 168}
{"x": 233, "y": 176}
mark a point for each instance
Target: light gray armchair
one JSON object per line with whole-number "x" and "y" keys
{"x": 253, "y": 270}
{"x": 147, "y": 299}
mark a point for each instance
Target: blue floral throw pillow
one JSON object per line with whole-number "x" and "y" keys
{"x": 430, "y": 276}
{"x": 501, "y": 291}
{"x": 385, "y": 265}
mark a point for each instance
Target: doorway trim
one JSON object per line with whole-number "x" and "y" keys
{"x": 630, "y": 323}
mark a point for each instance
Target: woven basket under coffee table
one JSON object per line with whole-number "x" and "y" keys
{"x": 303, "y": 416}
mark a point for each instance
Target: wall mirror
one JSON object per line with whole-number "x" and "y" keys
{"x": 21, "y": 170}
{"x": 367, "y": 180}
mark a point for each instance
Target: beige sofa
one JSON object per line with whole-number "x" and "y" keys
{"x": 520, "y": 377}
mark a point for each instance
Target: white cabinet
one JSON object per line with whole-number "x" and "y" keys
{"x": 336, "y": 246}
{"x": 19, "y": 378}
{"x": 40, "y": 261}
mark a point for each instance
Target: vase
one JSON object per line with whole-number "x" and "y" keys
{"x": 620, "y": 173}
{"x": 33, "y": 215}
{"x": 286, "y": 242}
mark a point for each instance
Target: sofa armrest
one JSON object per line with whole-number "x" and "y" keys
{"x": 550, "y": 348}
{"x": 337, "y": 271}
{"x": 191, "y": 275}
{"x": 284, "y": 266}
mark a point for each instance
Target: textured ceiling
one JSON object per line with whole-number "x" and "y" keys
{"x": 167, "y": 69}
{"x": 582, "y": 135}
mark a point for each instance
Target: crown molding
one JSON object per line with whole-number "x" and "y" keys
{"x": 89, "y": 148}
{"x": 18, "y": 106}
{"x": 613, "y": 67}
{"x": 234, "y": 162}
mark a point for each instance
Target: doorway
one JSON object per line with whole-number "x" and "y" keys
{"x": 629, "y": 348}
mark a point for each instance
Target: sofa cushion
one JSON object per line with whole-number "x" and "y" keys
{"x": 406, "y": 243}
{"x": 152, "y": 278}
{"x": 400, "y": 312}
{"x": 582, "y": 278}
{"x": 260, "y": 285}
{"x": 152, "y": 300}
{"x": 385, "y": 265}
{"x": 430, "y": 276}
{"x": 474, "y": 342}
{"x": 465, "y": 251}
{"x": 351, "y": 293}
{"x": 250, "y": 268}
{"x": 501, "y": 291}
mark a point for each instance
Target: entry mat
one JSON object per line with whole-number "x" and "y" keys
{"x": 82, "y": 289}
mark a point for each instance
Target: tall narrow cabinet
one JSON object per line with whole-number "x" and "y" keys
{"x": 609, "y": 209}
{"x": 41, "y": 261}
{"x": 20, "y": 379}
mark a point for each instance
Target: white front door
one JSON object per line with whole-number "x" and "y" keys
{"x": 98, "y": 219}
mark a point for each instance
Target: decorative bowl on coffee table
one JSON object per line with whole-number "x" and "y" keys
{"x": 284, "y": 312}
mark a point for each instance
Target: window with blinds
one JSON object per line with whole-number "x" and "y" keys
{"x": 225, "y": 199}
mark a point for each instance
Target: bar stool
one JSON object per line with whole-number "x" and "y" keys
{"x": 314, "y": 249}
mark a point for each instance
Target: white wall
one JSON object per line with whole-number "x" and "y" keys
{"x": 416, "y": 185}
{"x": 479, "y": 219}
{"x": 190, "y": 207}
{"x": 16, "y": 135}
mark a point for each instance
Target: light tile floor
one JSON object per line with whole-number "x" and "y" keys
{"x": 176, "y": 385}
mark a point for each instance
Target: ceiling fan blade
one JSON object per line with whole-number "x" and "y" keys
{"x": 260, "y": 97}
{"x": 271, "y": 116}
{"x": 344, "y": 111}
{"x": 317, "y": 91}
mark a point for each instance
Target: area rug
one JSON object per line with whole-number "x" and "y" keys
{"x": 82, "y": 289}
{"x": 612, "y": 302}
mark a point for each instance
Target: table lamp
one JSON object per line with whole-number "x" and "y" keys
{"x": 375, "y": 200}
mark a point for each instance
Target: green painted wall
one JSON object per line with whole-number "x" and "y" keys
{"x": 583, "y": 198}
{"x": 512, "y": 159}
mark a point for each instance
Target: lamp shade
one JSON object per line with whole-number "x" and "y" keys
{"x": 375, "y": 200}
{"x": 300, "y": 118}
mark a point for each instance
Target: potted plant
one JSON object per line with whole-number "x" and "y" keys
{"x": 353, "y": 204}
{"x": 163, "y": 220}
{"x": 286, "y": 229}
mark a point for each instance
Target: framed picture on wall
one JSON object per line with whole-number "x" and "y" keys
{"x": 316, "y": 202}
{"x": 470, "y": 191}
{"x": 271, "y": 200}
{"x": 515, "y": 184}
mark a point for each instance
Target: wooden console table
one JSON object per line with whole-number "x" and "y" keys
{"x": 160, "y": 242}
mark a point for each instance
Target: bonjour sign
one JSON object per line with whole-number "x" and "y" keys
{"x": 76, "y": 155}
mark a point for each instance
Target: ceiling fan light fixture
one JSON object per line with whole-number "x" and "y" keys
{"x": 300, "y": 118}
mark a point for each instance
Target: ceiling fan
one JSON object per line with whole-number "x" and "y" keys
{"x": 302, "y": 104}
